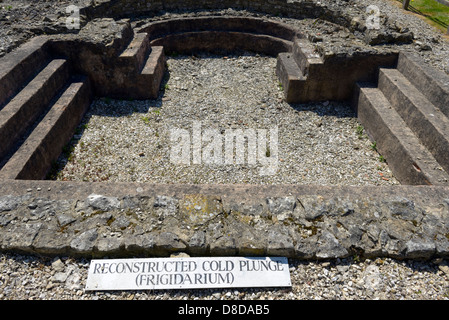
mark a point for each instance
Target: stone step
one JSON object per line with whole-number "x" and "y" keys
{"x": 305, "y": 56}
{"x": 150, "y": 78}
{"x": 428, "y": 123}
{"x": 332, "y": 77}
{"x": 290, "y": 76}
{"x": 26, "y": 107}
{"x": 44, "y": 145}
{"x": 410, "y": 162}
{"x": 18, "y": 67}
{"x": 310, "y": 80}
{"x": 432, "y": 83}
{"x": 137, "y": 51}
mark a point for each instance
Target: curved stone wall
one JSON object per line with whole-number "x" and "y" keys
{"x": 159, "y": 29}
{"x": 212, "y": 34}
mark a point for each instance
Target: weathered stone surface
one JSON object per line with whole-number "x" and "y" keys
{"x": 375, "y": 37}
{"x": 51, "y": 240}
{"x": 432, "y": 83}
{"x": 65, "y": 219}
{"x": 109, "y": 245}
{"x": 140, "y": 243}
{"x": 8, "y": 203}
{"x": 306, "y": 248}
{"x": 20, "y": 237}
{"x": 199, "y": 209}
{"x": 168, "y": 242}
{"x": 301, "y": 222}
{"x": 165, "y": 206}
{"x": 85, "y": 242}
{"x": 442, "y": 244}
{"x": 197, "y": 244}
{"x": 279, "y": 243}
{"x": 330, "y": 247}
{"x": 102, "y": 203}
{"x": 281, "y": 205}
{"x": 422, "y": 248}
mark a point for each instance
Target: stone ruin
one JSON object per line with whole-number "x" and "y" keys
{"x": 48, "y": 83}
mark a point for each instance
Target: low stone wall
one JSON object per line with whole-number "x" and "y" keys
{"x": 306, "y": 222}
{"x": 221, "y": 34}
{"x": 159, "y": 29}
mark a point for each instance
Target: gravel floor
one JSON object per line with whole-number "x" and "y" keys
{"x": 319, "y": 143}
{"x": 62, "y": 278}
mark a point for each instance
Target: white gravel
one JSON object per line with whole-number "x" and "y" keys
{"x": 62, "y": 278}
{"x": 319, "y": 143}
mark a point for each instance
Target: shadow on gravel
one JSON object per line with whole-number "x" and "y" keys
{"x": 329, "y": 108}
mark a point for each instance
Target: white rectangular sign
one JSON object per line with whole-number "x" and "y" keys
{"x": 188, "y": 273}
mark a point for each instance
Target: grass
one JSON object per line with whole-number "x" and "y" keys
{"x": 360, "y": 131}
{"x": 281, "y": 87}
{"x": 435, "y": 13}
{"x": 146, "y": 120}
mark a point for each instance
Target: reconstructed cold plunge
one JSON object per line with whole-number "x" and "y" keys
{"x": 223, "y": 160}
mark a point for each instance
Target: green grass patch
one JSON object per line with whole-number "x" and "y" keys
{"x": 436, "y": 13}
